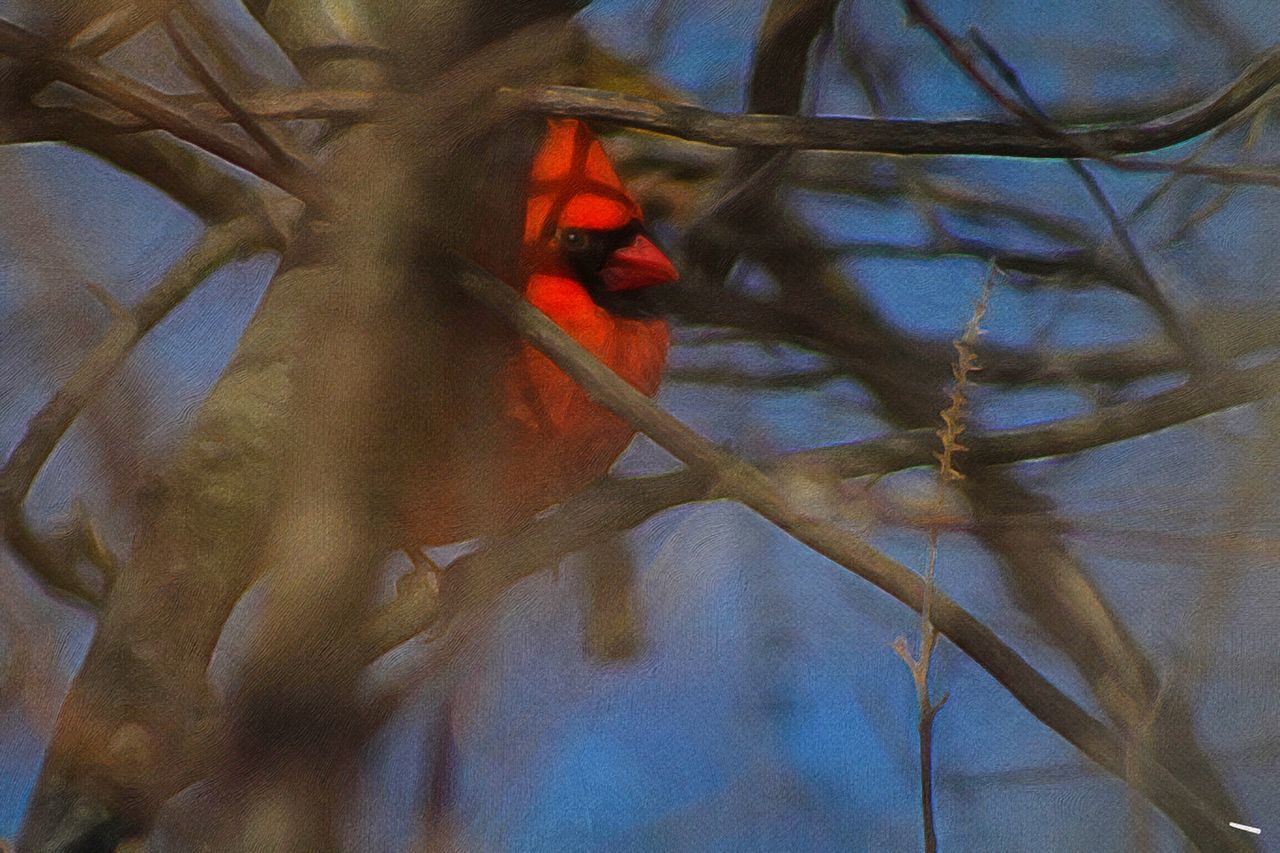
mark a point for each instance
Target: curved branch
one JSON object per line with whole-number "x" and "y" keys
{"x": 733, "y": 478}
{"x": 1107, "y": 425}
{"x": 46, "y": 428}
{"x": 907, "y": 136}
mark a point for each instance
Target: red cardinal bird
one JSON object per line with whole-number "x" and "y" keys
{"x": 587, "y": 262}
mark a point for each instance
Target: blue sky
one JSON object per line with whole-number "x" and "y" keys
{"x": 768, "y": 711}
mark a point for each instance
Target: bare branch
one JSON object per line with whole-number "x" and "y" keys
{"x": 827, "y": 133}
{"x": 907, "y": 136}
{"x": 1109, "y": 424}
{"x": 213, "y": 249}
{"x": 1153, "y": 291}
{"x": 1228, "y": 332}
{"x": 886, "y": 136}
{"x": 154, "y": 106}
{"x": 953, "y": 425}
{"x": 617, "y": 505}
{"x": 258, "y": 132}
{"x": 1025, "y": 107}
{"x": 737, "y": 479}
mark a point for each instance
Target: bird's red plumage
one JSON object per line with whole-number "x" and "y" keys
{"x": 550, "y": 439}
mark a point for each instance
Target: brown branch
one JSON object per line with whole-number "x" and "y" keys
{"x": 827, "y": 133}
{"x": 1226, "y": 175}
{"x": 1107, "y": 425}
{"x": 472, "y": 582}
{"x": 1191, "y": 161}
{"x": 617, "y": 505}
{"x": 348, "y": 106}
{"x": 111, "y": 29}
{"x": 187, "y": 175}
{"x": 907, "y": 136}
{"x": 919, "y": 14}
{"x": 257, "y": 131}
{"x": 953, "y": 425}
{"x": 344, "y": 106}
{"x": 1025, "y": 107}
{"x": 46, "y": 428}
{"x": 739, "y": 480}
{"x": 155, "y": 107}
{"x": 1227, "y": 333}
{"x": 884, "y": 136}
{"x": 1078, "y": 267}
{"x": 781, "y": 381}
{"x": 238, "y": 60}
{"x": 1048, "y": 581}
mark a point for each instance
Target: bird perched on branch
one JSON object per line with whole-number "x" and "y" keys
{"x": 588, "y": 263}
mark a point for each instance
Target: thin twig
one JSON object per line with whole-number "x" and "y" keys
{"x": 918, "y": 13}
{"x": 1026, "y": 109}
{"x": 1219, "y": 201}
{"x": 1154, "y": 293}
{"x": 257, "y": 131}
{"x": 1188, "y": 164}
{"x": 154, "y": 106}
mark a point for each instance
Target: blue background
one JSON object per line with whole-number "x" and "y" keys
{"x": 768, "y": 710}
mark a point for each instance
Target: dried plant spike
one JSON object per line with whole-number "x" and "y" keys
{"x": 966, "y": 362}
{"x": 953, "y": 424}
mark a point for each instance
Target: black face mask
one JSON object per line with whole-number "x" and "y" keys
{"x": 587, "y": 251}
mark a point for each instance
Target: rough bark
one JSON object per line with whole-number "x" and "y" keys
{"x": 139, "y": 724}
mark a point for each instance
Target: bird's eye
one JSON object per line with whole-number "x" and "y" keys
{"x": 573, "y": 238}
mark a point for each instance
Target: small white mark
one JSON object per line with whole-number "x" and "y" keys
{"x": 1252, "y": 829}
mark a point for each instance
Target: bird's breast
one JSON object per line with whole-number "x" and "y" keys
{"x": 548, "y": 400}
{"x": 551, "y": 440}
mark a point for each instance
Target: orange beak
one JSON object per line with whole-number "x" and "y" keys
{"x": 641, "y": 264}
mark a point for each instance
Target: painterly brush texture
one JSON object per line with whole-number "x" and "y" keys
{"x": 489, "y": 425}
